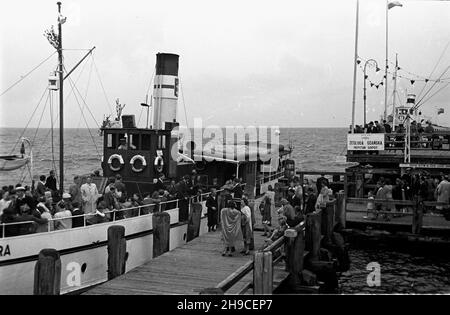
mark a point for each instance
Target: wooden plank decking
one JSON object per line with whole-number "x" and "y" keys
{"x": 185, "y": 270}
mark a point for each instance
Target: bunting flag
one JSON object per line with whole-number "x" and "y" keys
{"x": 412, "y": 82}
{"x": 394, "y": 4}
{"x": 440, "y": 111}
{"x": 371, "y": 84}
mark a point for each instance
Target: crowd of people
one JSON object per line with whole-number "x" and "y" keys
{"x": 300, "y": 200}
{"x": 422, "y": 187}
{"x": 42, "y": 208}
{"x": 384, "y": 127}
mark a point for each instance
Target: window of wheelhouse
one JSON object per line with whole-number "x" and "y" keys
{"x": 145, "y": 142}
{"x": 111, "y": 140}
{"x": 162, "y": 142}
{"x": 133, "y": 139}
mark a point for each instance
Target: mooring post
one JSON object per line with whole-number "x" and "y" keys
{"x": 296, "y": 247}
{"x": 417, "y": 218}
{"x": 263, "y": 273}
{"x": 316, "y": 234}
{"x": 161, "y": 233}
{"x": 47, "y": 273}
{"x": 117, "y": 247}
{"x": 195, "y": 217}
{"x": 340, "y": 209}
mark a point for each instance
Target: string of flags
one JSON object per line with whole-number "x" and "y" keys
{"x": 412, "y": 78}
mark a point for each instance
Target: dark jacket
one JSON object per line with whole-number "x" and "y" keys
{"x": 50, "y": 183}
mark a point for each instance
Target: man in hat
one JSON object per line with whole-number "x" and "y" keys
{"x": 123, "y": 144}
{"x": 65, "y": 202}
{"x": 22, "y": 199}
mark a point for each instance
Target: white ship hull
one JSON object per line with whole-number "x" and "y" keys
{"x": 83, "y": 252}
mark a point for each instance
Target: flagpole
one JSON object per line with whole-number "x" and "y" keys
{"x": 386, "y": 69}
{"x": 354, "y": 67}
{"x": 61, "y": 102}
{"x": 395, "y": 91}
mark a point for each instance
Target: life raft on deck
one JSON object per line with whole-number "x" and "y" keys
{"x": 138, "y": 158}
{"x": 113, "y": 158}
{"x": 13, "y": 162}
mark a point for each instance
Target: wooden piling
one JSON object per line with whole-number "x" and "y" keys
{"x": 263, "y": 273}
{"x": 195, "y": 217}
{"x": 315, "y": 234}
{"x": 295, "y": 250}
{"x": 161, "y": 233}
{"x": 340, "y": 215}
{"x": 328, "y": 220}
{"x": 417, "y": 218}
{"x": 47, "y": 273}
{"x": 117, "y": 247}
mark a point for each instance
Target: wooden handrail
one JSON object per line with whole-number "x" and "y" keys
{"x": 235, "y": 277}
{"x": 382, "y": 201}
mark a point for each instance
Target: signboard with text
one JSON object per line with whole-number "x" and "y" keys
{"x": 365, "y": 141}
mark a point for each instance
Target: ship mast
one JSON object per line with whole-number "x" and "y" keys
{"x": 61, "y": 102}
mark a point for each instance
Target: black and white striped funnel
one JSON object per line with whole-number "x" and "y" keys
{"x": 165, "y": 91}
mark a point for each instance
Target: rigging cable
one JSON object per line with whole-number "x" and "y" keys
{"x": 101, "y": 84}
{"x": 27, "y": 74}
{"x": 440, "y": 58}
{"x": 57, "y": 116}
{"x": 85, "y": 121}
{"x": 434, "y": 94}
{"x": 26, "y": 126}
{"x": 429, "y": 90}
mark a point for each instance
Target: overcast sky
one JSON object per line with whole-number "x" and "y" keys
{"x": 252, "y": 62}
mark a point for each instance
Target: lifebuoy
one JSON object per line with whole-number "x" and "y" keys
{"x": 115, "y": 157}
{"x": 159, "y": 164}
{"x": 143, "y": 162}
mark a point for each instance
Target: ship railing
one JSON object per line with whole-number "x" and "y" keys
{"x": 271, "y": 177}
{"x": 113, "y": 214}
{"x": 156, "y": 207}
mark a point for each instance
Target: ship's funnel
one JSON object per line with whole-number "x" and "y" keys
{"x": 165, "y": 91}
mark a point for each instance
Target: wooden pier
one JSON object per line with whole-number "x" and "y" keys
{"x": 185, "y": 270}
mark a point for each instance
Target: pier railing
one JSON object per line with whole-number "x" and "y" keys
{"x": 417, "y": 210}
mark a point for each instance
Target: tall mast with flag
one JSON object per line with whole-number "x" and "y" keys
{"x": 61, "y": 21}
{"x": 389, "y": 5}
{"x": 355, "y": 61}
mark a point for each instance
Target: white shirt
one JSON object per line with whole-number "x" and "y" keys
{"x": 3, "y": 205}
{"x": 248, "y": 213}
